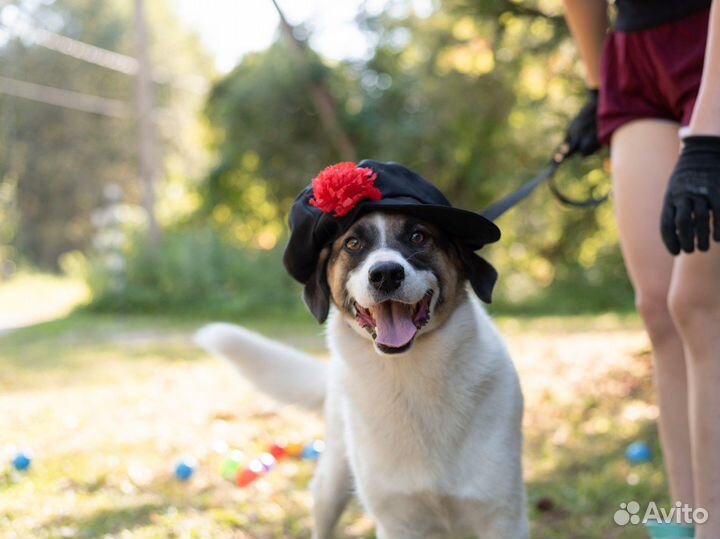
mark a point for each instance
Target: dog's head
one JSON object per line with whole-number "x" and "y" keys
{"x": 394, "y": 278}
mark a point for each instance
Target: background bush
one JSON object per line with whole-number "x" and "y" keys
{"x": 194, "y": 270}
{"x": 472, "y": 94}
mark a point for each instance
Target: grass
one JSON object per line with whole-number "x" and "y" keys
{"x": 108, "y": 404}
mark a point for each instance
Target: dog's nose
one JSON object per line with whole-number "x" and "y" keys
{"x": 386, "y": 276}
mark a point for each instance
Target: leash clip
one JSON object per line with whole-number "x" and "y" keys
{"x": 561, "y": 153}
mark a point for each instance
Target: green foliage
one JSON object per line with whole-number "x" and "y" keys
{"x": 474, "y": 96}
{"x": 611, "y": 294}
{"x": 263, "y": 110}
{"x": 61, "y": 159}
{"x": 194, "y": 271}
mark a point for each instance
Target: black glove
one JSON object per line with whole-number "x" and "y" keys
{"x": 581, "y": 135}
{"x": 692, "y": 195}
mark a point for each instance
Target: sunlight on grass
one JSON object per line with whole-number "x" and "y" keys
{"x": 29, "y": 298}
{"x": 107, "y": 405}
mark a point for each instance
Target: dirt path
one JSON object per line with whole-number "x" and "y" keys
{"x": 31, "y": 299}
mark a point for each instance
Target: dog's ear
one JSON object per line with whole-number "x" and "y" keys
{"x": 317, "y": 290}
{"x": 479, "y": 272}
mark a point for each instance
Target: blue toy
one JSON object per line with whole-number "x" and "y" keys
{"x": 185, "y": 469}
{"x": 313, "y": 450}
{"x": 22, "y": 461}
{"x": 638, "y": 453}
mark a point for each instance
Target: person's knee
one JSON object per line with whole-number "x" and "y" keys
{"x": 653, "y": 308}
{"x": 692, "y": 307}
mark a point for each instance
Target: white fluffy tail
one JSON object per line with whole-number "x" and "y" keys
{"x": 285, "y": 374}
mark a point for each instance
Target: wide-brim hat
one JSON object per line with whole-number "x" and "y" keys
{"x": 343, "y": 193}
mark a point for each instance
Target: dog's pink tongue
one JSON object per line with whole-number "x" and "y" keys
{"x": 394, "y": 324}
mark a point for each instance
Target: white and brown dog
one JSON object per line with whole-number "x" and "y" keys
{"x": 422, "y": 403}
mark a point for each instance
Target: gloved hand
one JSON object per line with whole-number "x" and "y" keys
{"x": 581, "y": 135}
{"x": 693, "y": 194}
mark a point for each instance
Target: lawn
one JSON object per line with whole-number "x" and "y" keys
{"x": 108, "y": 404}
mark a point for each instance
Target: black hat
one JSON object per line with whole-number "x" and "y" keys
{"x": 342, "y": 193}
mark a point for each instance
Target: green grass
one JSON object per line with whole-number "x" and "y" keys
{"x": 107, "y": 404}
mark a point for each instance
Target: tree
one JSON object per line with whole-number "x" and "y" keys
{"x": 473, "y": 96}
{"x": 64, "y": 158}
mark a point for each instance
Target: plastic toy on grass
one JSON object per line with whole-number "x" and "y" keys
{"x": 267, "y": 461}
{"x": 669, "y": 530}
{"x": 185, "y": 469}
{"x": 294, "y": 450}
{"x": 312, "y": 451}
{"x": 254, "y": 470}
{"x": 231, "y": 465}
{"x": 638, "y": 453}
{"x": 22, "y": 461}
{"x": 278, "y": 451}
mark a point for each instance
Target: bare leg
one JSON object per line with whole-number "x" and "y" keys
{"x": 643, "y": 155}
{"x": 695, "y": 305}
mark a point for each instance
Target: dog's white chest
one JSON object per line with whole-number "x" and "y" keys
{"x": 390, "y": 449}
{"x": 405, "y": 432}
{"x": 421, "y": 460}
{"x": 433, "y": 437}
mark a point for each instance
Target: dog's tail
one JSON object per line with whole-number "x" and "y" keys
{"x": 285, "y": 374}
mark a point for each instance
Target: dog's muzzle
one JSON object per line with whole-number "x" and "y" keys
{"x": 394, "y": 324}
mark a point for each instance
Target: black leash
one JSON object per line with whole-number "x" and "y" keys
{"x": 494, "y": 211}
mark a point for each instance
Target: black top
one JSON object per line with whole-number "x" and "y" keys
{"x": 634, "y": 15}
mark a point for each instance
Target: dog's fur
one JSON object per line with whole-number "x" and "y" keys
{"x": 428, "y": 434}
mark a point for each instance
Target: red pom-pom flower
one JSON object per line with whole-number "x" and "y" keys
{"x": 340, "y": 187}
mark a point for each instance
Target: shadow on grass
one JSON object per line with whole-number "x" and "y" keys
{"x": 590, "y": 482}
{"x": 109, "y": 520}
{"x": 588, "y": 477}
{"x": 165, "y": 507}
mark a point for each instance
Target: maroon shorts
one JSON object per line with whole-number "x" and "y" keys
{"x": 653, "y": 73}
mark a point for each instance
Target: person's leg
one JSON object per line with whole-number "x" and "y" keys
{"x": 643, "y": 155}
{"x": 695, "y": 306}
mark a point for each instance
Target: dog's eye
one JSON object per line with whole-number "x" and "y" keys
{"x": 353, "y": 244}
{"x": 417, "y": 238}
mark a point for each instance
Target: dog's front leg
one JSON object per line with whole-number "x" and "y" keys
{"x": 510, "y": 522}
{"x": 384, "y": 533}
{"x": 409, "y": 517}
{"x": 332, "y": 484}
{"x": 404, "y": 532}
{"x": 331, "y": 489}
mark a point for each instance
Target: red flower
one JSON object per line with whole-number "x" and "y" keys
{"x": 340, "y": 187}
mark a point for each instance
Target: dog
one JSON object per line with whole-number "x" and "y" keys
{"x": 422, "y": 404}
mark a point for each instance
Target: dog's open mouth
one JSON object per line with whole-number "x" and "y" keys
{"x": 393, "y": 324}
